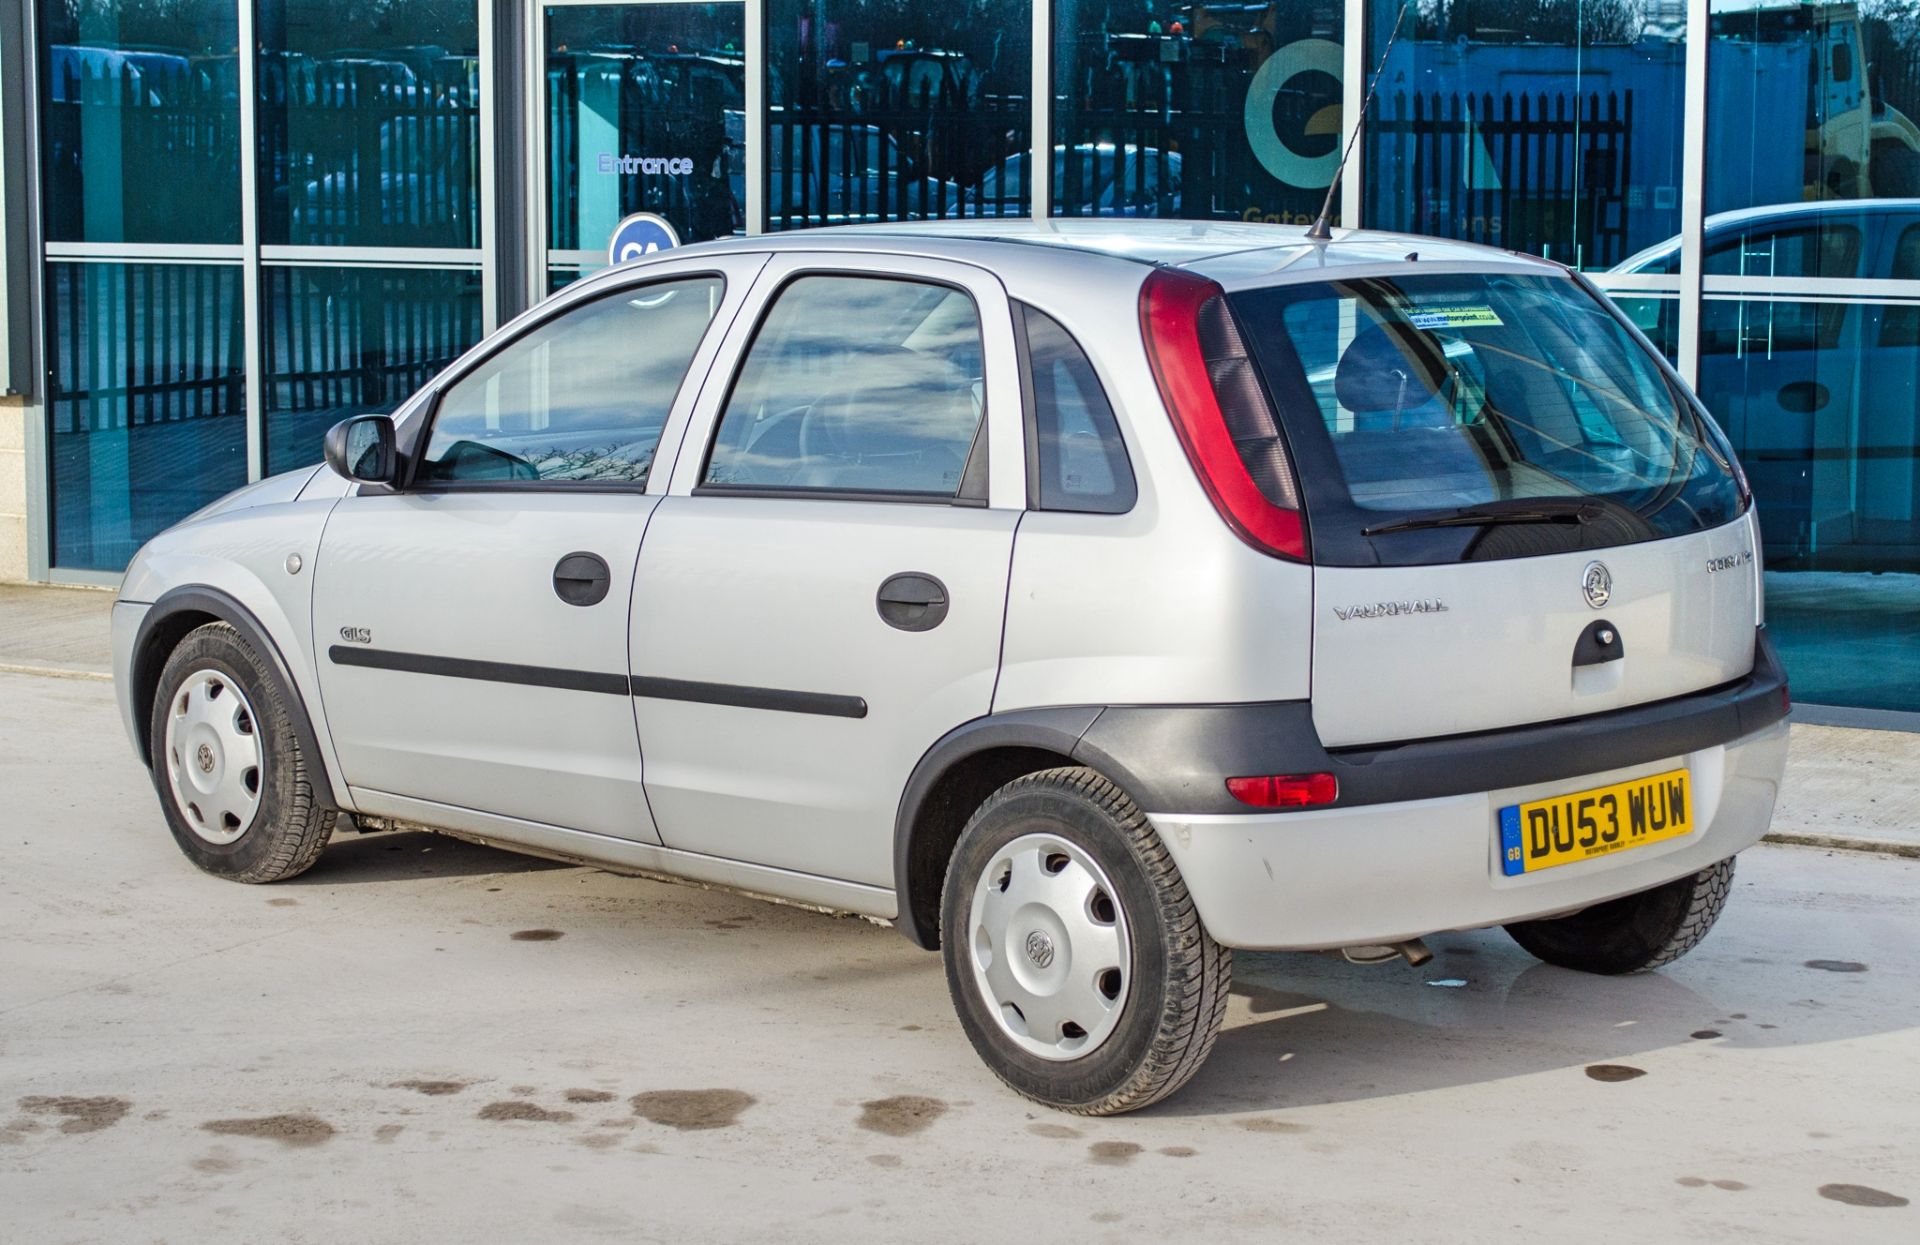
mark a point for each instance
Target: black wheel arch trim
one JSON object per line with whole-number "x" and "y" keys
{"x": 1177, "y": 758}
{"x": 149, "y": 659}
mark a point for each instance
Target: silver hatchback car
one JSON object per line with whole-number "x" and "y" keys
{"x": 1085, "y": 598}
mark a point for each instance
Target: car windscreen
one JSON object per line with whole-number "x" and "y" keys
{"x": 1415, "y": 405}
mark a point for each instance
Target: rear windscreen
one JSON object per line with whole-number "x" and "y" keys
{"x": 1422, "y": 395}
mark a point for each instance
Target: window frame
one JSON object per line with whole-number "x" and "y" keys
{"x": 418, "y": 435}
{"x": 975, "y": 481}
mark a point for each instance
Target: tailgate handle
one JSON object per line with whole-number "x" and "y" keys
{"x": 1600, "y": 642}
{"x": 912, "y": 601}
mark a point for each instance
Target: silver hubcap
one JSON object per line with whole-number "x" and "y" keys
{"x": 214, "y": 756}
{"x": 1049, "y": 945}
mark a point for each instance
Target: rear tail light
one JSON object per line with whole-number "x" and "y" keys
{"x": 1285, "y": 790}
{"x": 1229, "y": 428}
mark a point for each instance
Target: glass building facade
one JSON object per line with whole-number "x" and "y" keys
{"x": 246, "y": 219}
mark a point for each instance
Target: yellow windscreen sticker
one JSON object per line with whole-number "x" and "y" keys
{"x": 1453, "y": 318}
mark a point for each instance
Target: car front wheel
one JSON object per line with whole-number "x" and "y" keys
{"x": 233, "y": 781}
{"x": 1075, "y": 957}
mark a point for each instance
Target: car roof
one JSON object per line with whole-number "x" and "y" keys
{"x": 1181, "y": 243}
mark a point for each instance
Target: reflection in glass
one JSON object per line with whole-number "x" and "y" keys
{"x": 146, "y": 402}
{"x": 1822, "y": 401}
{"x": 1812, "y": 101}
{"x": 1227, "y": 112}
{"x": 645, "y": 108}
{"x": 140, "y": 121}
{"x": 1547, "y": 126}
{"x": 855, "y": 384}
{"x": 349, "y": 341}
{"x": 1656, "y": 315}
{"x": 882, "y": 110}
{"x": 573, "y": 400}
{"x": 369, "y": 123}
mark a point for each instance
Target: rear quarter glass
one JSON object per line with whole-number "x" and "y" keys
{"x": 1421, "y": 394}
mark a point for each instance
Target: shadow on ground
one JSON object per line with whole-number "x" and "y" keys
{"x": 391, "y": 856}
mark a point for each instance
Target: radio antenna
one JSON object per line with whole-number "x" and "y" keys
{"x": 1322, "y": 228}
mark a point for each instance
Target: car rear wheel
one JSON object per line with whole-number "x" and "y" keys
{"x": 236, "y": 789}
{"x": 1076, "y": 960}
{"x": 1634, "y": 933}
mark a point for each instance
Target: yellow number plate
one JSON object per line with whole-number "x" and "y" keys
{"x": 1586, "y": 824}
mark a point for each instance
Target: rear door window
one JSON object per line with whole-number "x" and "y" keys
{"x": 855, "y": 385}
{"x": 1901, "y": 323}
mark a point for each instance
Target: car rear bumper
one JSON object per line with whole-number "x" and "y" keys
{"x": 1384, "y": 872}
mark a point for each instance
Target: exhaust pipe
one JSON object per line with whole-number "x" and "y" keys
{"x": 1413, "y": 950}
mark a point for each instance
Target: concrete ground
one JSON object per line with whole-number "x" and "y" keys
{"x": 63, "y": 630}
{"x": 423, "y": 1040}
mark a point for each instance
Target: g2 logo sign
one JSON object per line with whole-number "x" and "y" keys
{"x": 1286, "y": 64}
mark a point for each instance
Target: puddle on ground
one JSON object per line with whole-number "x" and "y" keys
{"x": 532, "y": 1112}
{"x": 292, "y": 1130}
{"x": 82, "y": 1115}
{"x": 1861, "y": 1195}
{"x": 690, "y": 1110}
{"x": 900, "y": 1116}
{"x": 1113, "y": 1153}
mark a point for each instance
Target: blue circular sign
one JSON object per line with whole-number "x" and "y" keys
{"x": 643, "y": 233}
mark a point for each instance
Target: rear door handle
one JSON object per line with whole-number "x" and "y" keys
{"x": 582, "y": 579}
{"x": 912, "y": 601}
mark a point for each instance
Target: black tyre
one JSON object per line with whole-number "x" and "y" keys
{"x": 236, "y": 789}
{"x": 1634, "y": 933}
{"x": 1896, "y": 171}
{"x": 1075, "y": 957}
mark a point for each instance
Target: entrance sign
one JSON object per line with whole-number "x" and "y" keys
{"x": 642, "y": 233}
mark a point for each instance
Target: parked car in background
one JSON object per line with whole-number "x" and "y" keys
{"x": 1795, "y": 374}
{"x": 1089, "y": 179}
{"x": 1086, "y": 598}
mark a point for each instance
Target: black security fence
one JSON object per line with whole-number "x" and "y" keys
{"x": 1545, "y": 173}
{"x": 343, "y": 341}
{"x": 909, "y": 149}
{"x": 136, "y": 344}
{"x": 369, "y": 152}
{"x": 140, "y": 146}
{"x": 1236, "y": 123}
{"x": 145, "y": 398}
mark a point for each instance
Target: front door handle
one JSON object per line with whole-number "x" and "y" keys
{"x": 582, "y": 579}
{"x": 912, "y": 601}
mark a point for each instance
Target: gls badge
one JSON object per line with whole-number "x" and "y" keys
{"x": 357, "y": 635}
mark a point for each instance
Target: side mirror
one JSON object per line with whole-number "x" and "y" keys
{"x": 362, "y": 449}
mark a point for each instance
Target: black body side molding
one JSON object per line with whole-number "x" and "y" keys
{"x": 824, "y": 704}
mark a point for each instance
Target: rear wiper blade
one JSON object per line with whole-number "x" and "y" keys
{"x": 1486, "y": 516}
